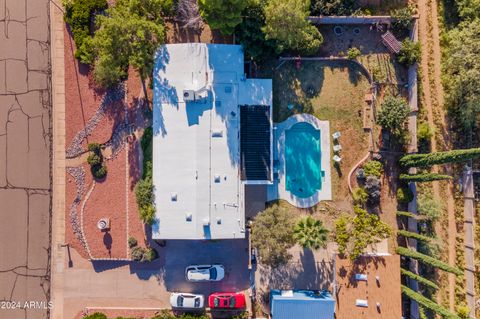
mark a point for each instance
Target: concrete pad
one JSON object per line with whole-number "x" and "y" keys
{"x": 31, "y": 103}
{"x": 37, "y": 55}
{"x": 17, "y": 146}
{"x": 3, "y": 84}
{"x": 7, "y": 280}
{"x": 37, "y": 80}
{"x": 38, "y": 156}
{"x": 3, "y": 161}
{"x": 15, "y": 10}
{"x": 38, "y": 238}
{"x": 16, "y": 76}
{"x": 35, "y": 290}
{"x": 14, "y": 314}
{"x": 2, "y": 9}
{"x": 19, "y": 293}
{"x": 6, "y": 103}
{"x": 12, "y": 228}
{"x": 37, "y": 24}
{"x": 13, "y": 42}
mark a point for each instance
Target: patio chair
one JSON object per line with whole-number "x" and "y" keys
{"x": 337, "y": 148}
{"x": 337, "y": 159}
{"x": 336, "y": 135}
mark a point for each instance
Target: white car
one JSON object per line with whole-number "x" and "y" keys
{"x": 186, "y": 300}
{"x": 205, "y": 272}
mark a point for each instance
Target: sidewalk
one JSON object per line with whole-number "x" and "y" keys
{"x": 469, "y": 215}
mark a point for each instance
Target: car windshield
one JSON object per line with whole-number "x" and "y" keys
{"x": 213, "y": 273}
{"x": 180, "y": 301}
{"x": 232, "y": 302}
{"x": 216, "y": 302}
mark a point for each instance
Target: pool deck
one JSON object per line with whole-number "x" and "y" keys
{"x": 278, "y": 189}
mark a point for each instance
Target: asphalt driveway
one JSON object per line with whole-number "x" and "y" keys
{"x": 232, "y": 254}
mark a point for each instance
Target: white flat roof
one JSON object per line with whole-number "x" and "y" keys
{"x": 196, "y": 148}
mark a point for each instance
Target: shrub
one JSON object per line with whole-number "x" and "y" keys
{"x": 393, "y": 115}
{"x": 372, "y": 187}
{"x": 428, "y": 260}
{"x": 423, "y": 160}
{"x": 94, "y": 147}
{"x": 150, "y": 255}
{"x": 417, "y": 236}
{"x": 132, "y": 242}
{"x": 144, "y": 192}
{"x": 332, "y": 7}
{"x": 402, "y": 18}
{"x": 99, "y": 171}
{"x": 147, "y": 214}
{"x": 96, "y": 315}
{"x": 353, "y": 53}
{"x": 424, "y": 132}
{"x": 404, "y": 195}
{"x": 361, "y": 176}
{"x": 360, "y": 196}
{"x": 94, "y": 159}
{"x": 463, "y": 311}
{"x": 409, "y": 53}
{"x": 137, "y": 253}
{"x": 429, "y": 207}
{"x": 423, "y": 177}
{"x": 373, "y": 168}
{"x": 78, "y": 14}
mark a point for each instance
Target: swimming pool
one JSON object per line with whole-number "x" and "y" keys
{"x": 303, "y": 175}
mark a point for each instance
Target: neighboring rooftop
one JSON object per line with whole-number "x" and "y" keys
{"x": 301, "y": 304}
{"x": 368, "y": 288}
{"x": 198, "y": 92}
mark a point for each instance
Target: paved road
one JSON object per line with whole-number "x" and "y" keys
{"x": 25, "y": 132}
{"x": 469, "y": 215}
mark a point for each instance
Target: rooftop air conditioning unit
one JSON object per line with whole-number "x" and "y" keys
{"x": 188, "y": 95}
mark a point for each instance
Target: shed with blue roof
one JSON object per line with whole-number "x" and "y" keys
{"x": 301, "y": 304}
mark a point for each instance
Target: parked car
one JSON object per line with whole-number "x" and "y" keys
{"x": 186, "y": 300}
{"x": 205, "y": 272}
{"x": 227, "y": 300}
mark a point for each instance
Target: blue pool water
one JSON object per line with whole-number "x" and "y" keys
{"x": 302, "y": 160}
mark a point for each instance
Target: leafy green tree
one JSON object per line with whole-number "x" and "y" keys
{"x": 468, "y": 9}
{"x": 79, "y": 15}
{"x": 463, "y": 311}
{"x": 462, "y": 71}
{"x": 404, "y": 195}
{"x": 427, "y": 303}
{"x": 310, "y": 233}
{"x": 393, "y": 115}
{"x": 429, "y": 207}
{"x": 453, "y": 156}
{"x": 249, "y": 33}
{"x": 333, "y": 7}
{"x": 424, "y": 132}
{"x": 354, "y": 233}
{"x": 272, "y": 235}
{"x": 428, "y": 260}
{"x": 286, "y": 22}
{"x": 129, "y": 34}
{"x": 96, "y": 315}
{"x": 409, "y": 53}
{"x": 223, "y": 15}
{"x": 402, "y": 18}
{"x": 360, "y": 196}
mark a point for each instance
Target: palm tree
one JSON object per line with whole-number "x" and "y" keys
{"x": 310, "y": 233}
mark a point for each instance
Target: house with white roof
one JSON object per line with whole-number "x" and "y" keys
{"x": 212, "y": 136}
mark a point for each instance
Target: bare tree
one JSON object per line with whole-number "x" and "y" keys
{"x": 188, "y": 15}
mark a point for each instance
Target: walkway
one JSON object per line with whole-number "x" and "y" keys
{"x": 25, "y": 152}
{"x": 469, "y": 227}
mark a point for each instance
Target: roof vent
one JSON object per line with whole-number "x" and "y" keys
{"x": 173, "y": 197}
{"x": 361, "y": 303}
{"x": 188, "y": 217}
{"x": 217, "y": 178}
{"x": 206, "y": 222}
{"x": 287, "y": 293}
{"x": 217, "y": 133}
{"x": 219, "y": 220}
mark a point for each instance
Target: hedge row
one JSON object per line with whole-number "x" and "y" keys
{"x": 419, "y": 278}
{"x": 428, "y": 260}
{"x": 422, "y": 160}
{"x": 410, "y": 215}
{"x": 409, "y": 234}
{"x": 424, "y": 177}
{"x": 427, "y": 303}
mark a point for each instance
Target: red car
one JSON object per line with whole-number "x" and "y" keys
{"x": 226, "y": 300}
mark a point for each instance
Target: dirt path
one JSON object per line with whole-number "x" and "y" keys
{"x": 433, "y": 101}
